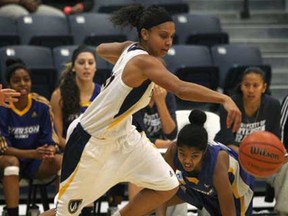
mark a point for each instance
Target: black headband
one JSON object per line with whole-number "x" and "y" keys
{"x": 82, "y": 49}
{"x": 157, "y": 19}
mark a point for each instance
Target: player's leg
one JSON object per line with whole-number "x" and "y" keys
{"x": 146, "y": 201}
{"x": 89, "y": 176}
{"x": 10, "y": 181}
{"x": 146, "y": 168}
{"x": 133, "y": 190}
{"x": 50, "y": 212}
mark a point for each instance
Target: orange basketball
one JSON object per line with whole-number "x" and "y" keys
{"x": 261, "y": 153}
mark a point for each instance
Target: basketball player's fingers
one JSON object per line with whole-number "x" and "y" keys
{"x": 9, "y": 95}
{"x": 7, "y": 105}
{"x": 11, "y": 99}
{"x": 233, "y": 120}
{"x": 10, "y": 92}
{"x": 41, "y": 150}
{"x": 237, "y": 121}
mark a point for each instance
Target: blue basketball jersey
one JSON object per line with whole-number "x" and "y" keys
{"x": 83, "y": 106}
{"x": 198, "y": 190}
{"x": 28, "y": 128}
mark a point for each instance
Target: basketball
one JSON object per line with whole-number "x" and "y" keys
{"x": 261, "y": 154}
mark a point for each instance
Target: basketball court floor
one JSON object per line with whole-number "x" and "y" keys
{"x": 258, "y": 203}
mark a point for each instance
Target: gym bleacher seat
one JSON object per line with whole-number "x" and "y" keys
{"x": 199, "y": 29}
{"x": 39, "y": 60}
{"x": 192, "y": 63}
{"x": 42, "y": 30}
{"x": 8, "y": 33}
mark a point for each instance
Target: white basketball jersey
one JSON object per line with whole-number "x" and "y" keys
{"x": 110, "y": 114}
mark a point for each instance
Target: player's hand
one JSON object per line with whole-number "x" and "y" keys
{"x": 234, "y": 115}
{"x": 50, "y": 152}
{"x": 159, "y": 95}
{"x": 46, "y": 151}
{"x": 3, "y": 147}
{"x": 7, "y": 96}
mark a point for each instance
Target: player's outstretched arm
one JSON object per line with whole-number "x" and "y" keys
{"x": 223, "y": 186}
{"x": 111, "y": 51}
{"x": 154, "y": 70}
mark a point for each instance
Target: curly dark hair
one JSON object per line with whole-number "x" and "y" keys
{"x": 136, "y": 15}
{"x": 70, "y": 92}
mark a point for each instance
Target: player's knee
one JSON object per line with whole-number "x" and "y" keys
{"x": 10, "y": 161}
{"x": 168, "y": 194}
{"x": 11, "y": 171}
{"x": 58, "y": 161}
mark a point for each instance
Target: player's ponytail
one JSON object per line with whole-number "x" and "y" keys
{"x": 194, "y": 134}
{"x": 136, "y": 15}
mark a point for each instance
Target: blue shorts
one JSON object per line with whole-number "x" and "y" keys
{"x": 28, "y": 168}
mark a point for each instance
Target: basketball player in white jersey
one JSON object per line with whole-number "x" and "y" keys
{"x": 103, "y": 147}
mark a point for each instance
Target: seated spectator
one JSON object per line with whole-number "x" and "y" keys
{"x": 76, "y": 90}
{"x": 71, "y": 6}
{"x": 7, "y": 96}
{"x": 28, "y": 141}
{"x": 256, "y": 107}
{"x": 17, "y": 8}
{"x": 158, "y": 119}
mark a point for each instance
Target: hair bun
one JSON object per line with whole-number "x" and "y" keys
{"x": 197, "y": 117}
{"x": 14, "y": 60}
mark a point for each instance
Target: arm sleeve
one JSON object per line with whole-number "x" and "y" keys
{"x": 225, "y": 135}
{"x": 171, "y": 105}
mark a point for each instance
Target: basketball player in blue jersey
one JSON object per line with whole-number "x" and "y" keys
{"x": 8, "y": 95}
{"x": 210, "y": 174}
{"x": 103, "y": 146}
{"x": 27, "y": 138}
